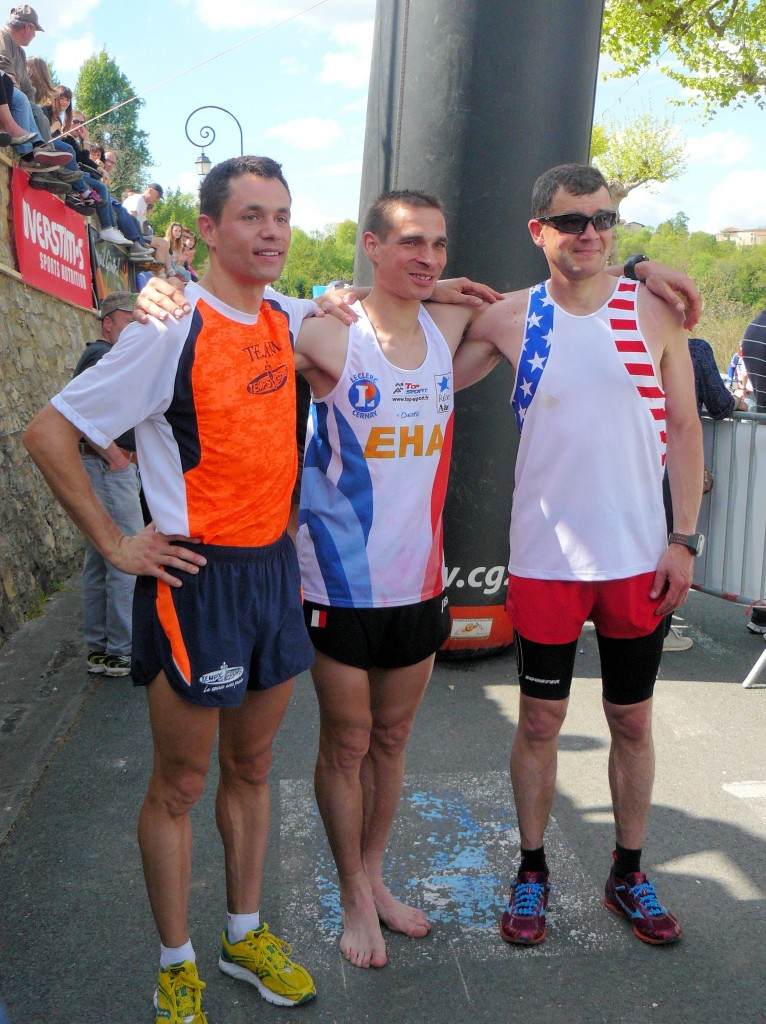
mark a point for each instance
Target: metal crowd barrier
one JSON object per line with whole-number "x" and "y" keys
{"x": 733, "y": 514}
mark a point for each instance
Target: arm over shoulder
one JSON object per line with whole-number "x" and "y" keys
{"x": 495, "y": 332}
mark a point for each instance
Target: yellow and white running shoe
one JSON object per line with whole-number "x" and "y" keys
{"x": 178, "y": 998}
{"x": 263, "y": 960}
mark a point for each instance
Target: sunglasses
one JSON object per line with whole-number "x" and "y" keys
{"x": 76, "y": 121}
{"x": 576, "y": 223}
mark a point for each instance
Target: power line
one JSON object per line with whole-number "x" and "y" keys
{"x": 230, "y": 49}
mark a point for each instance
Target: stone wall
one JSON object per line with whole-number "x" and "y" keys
{"x": 41, "y": 338}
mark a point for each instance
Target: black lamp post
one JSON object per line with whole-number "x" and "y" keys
{"x": 207, "y": 135}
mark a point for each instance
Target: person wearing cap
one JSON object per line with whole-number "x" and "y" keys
{"x": 107, "y": 593}
{"x": 36, "y": 152}
{"x": 138, "y": 205}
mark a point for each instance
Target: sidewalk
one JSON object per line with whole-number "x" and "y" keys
{"x": 76, "y": 938}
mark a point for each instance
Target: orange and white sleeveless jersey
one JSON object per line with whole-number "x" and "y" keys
{"x": 588, "y": 498}
{"x": 375, "y": 477}
{"x": 212, "y": 399}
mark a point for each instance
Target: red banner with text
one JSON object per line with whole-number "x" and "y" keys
{"x": 51, "y": 243}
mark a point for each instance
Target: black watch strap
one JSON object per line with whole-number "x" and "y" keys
{"x": 629, "y": 270}
{"x": 695, "y": 542}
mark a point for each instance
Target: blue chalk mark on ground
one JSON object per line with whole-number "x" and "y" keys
{"x": 440, "y": 859}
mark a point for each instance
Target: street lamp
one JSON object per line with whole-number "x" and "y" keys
{"x": 207, "y": 135}
{"x": 203, "y": 165}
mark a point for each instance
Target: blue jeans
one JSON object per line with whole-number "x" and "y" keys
{"x": 21, "y": 109}
{"x": 127, "y": 223}
{"x": 107, "y": 593}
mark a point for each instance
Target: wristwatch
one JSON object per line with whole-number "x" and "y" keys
{"x": 695, "y": 542}
{"x": 629, "y": 270}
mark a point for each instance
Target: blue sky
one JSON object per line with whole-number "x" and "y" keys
{"x": 299, "y": 89}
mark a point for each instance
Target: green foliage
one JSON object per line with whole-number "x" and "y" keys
{"x": 100, "y": 86}
{"x": 642, "y": 151}
{"x": 183, "y": 208}
{"x": 715, "y": 49}
{"x": 730, "y": 277}
{"x": 318, "y": 258}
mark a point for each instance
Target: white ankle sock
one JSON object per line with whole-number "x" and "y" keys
{"x": 238, "y": 925}
{"x": 177, "y": 954}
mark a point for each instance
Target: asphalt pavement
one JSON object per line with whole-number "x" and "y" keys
{"x": 77, "y": 941}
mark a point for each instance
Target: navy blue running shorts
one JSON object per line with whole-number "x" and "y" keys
{"x": 379, "y": 637}
{"x": 237, "y": 625}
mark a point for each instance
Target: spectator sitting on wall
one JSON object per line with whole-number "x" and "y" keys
{"x": 11, "y": 132}
{"x": 19, "y": 31}
{"x": 138, "y": 204}
{"x": 36, "y": 154}
{"x": 82, "y": 197}
{"x": 61, "y": 111}
{"x": 113, "y": 229}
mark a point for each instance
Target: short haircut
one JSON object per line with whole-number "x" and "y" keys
{"x": 576, "y": 179}
{"x": 379, "y": 215}
{"x": 214, "y": 190}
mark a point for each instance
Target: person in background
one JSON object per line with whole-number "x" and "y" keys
{"x": 174, "y": 238}
{"x": 719, "y": 402}
{"x": 107, "y": 600}
{"x": 754, "y": 357}
{"x": 138, "y": 205}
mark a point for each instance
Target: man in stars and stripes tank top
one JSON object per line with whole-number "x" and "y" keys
{"x": 604, "y": 393}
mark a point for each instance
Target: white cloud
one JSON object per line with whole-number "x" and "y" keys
{"x": 307, "y": 133}
{"x": 722, "y": 148}
{"x": 291, "y": 66}
{"x": 739, "y": 200}
{"x": 651, "y": 208}
{"x": 344, "y": 69}
{"x": 188, "y": 181}
{"x": 351, "y": 66}
{"x": 63, "y": 17}
{"x": 70, "y": 55}
{"x": 312, "y": 214}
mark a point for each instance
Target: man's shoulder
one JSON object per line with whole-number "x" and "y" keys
{"x": 94, "y": 350}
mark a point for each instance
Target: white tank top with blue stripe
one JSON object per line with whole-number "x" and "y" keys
{"x": 375, "y": 476}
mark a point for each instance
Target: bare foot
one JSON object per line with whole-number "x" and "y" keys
{"x": 398, "y": 916}
{"x": 362, "y": 941}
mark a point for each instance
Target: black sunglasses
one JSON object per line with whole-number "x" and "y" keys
{"x": 576, "y": 223}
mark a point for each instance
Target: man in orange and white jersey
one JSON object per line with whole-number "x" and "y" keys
{"x": 218, "y": 626}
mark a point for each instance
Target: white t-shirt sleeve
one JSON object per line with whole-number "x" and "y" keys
{"x": 132, "y": 383}
{"x": 297, "y": 309}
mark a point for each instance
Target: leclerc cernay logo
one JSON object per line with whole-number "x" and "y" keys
{"x": 364, "y": 395}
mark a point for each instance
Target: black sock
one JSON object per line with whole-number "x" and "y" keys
{"x": 627, "y": 862}
{"x": 533, "y": 860}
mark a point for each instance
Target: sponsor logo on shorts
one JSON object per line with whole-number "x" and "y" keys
{"x": 364, "y": 395}
{"x": 542, "y": 682}
{"x": 222, "y": 678}
{"x": 443, "y": 384}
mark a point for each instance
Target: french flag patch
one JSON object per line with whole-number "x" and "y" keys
{"x": 318, "y": 619}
